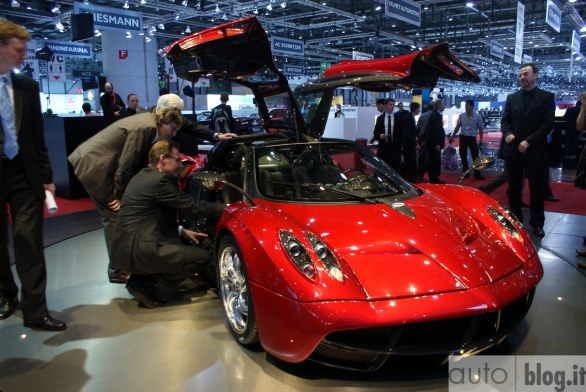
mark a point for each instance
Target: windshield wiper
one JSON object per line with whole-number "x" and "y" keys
{"x": 322, "y": 188}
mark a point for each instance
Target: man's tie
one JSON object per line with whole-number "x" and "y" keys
{"x": 390, "y": 128}
{"x": 7, "y": 113}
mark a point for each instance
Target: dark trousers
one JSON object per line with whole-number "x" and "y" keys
{"x": 26, "y": 210}
{"x": 535, "y": 172}
{"x": 434, "y": 162}
{"x": 391, "y": 154}
{"x": 410, "y": 164}
{"x": 468, "y": 142}
{"x": 421, "y": 163}
{"x": 109, "y": 223}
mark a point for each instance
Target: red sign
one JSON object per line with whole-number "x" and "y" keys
{"x": 123, "y": 54}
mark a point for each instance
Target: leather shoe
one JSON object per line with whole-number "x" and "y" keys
{"x": 144, "y": 298}
{"x": 7, "y": 307}
{"x": 118, "y": 275}
{"x": 581, "y": 264}
{"x": 47, "y": 323}
{"x": 538, "y": 231}
{"x": 581, "y": 252}
{"x": 552, "y": 198}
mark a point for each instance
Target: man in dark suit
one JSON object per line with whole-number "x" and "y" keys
{"x": 25, "y": 174}
{"x": 388, "y": 131}
{"x": 435, "y": 138}
{"x": 410, "y": 149}
{"x": 528, "y": 117}
{"x": 111, "y": 103}
{"x": 146, "y": 240}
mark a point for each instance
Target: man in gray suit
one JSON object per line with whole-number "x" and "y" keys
{"x": 146, "y": 240}
{"x": 528, "y": 118}
{"x": 107, "y": 161}
{"x": 25, "y": 176}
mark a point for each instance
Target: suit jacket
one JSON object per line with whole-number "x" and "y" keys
{"x": 384, "y": 146}
{"x": 147, "y": 223}
{"x": 435, "y": 133}
{"x": 111, "y": 105}
{"x": 30, "y": 134}
{"x": 531, "y": 124}
{"x": 106, "y": 162}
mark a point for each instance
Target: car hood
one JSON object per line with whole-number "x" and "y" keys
{"x": 393, "y": 255}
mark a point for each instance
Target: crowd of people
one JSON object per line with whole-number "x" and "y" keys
{"x": 129, "y": 169}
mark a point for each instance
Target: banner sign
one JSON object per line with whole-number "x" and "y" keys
{"x": 405, "y": 10}
{"x": 323, "y": 65}
{"x": 56, "y": 69}
{"x": 520, "y": 29}
{"x": 527, "y": 59}
{"x": 553, "y": 16}
{"x": 108, "y": 18}
{"x": 361, "y": 56}
{"x": 30, "y": 68}
{"x": 287, "y": 46}
{"x": 497, "y": 49}
{"x": 79, "y": 73}
{"x": 71, "y": 49}
{"x": 293, "y": 70}
{"x": 575, "y": 41}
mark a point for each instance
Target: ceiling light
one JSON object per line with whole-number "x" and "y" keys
{"x": 224, "y": 17}
{"x": 59, "y": 26}
{"x": 283, "y": 4}
{"x": 56, "y": 9}
{"x": 469, "y": 4}
{"x": 378, "y": 8}
{"x": 187, "y": 30}
{"x": 147, "y": 39}
{"x": 583, "y": 29}
{"x": 97, "y": 33}
{"x": 128, "y": 35}
{"x": 15, "y": 4}
{"x": 184, "y": 3}
{"x": 126, "y": 6}
{"x": 217, "y": 8}
{"x": 269, "y": 7}
{"x": 255, "y": 11}
{"x": 143, "y": 2}
{"x": 177, "y": 17}
{"x": 161, "y": 26}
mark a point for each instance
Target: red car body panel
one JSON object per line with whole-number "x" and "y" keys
{"x": 285, "y": 337}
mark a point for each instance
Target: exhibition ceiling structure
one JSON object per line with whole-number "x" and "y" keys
{"x": 331, "y": 30}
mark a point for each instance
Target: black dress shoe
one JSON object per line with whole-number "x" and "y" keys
{"x": 581, "y": 252}
{"x": 552, "y": 198}
{"x": 7, "y": 307}
{"x": 144, "y": 297}
{"x": 538, "y": 231}
{"x": 117, "y": 275}
{"x": 47, "y": 323}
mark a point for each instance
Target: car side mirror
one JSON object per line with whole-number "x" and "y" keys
{"x": 480, "y": 163}
{"x": 213, "y": 181}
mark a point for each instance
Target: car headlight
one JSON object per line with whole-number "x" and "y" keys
{"x": 297, "y": 253}
{"x": 326, "y": 257}
{"x": 505, "y": 221}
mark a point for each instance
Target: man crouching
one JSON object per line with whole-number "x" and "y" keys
{"x": 146, "y": 241}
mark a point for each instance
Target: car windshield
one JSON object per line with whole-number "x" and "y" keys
{"x": 325, "y": 172}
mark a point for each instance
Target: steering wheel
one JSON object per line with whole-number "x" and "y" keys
{"x": 360, "y": 182}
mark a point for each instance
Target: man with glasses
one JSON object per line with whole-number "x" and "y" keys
{"x": 147, "y": 240}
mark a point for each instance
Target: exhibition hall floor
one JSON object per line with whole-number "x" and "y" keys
{"x": 112, "y": 344}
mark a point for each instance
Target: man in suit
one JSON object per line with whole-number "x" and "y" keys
{"x": 107, "y": 161}
{"x": 528, "y": 118}
{"x": 435, "y": 138}
{"x": 146, "y": 240}
{"x": 112, "y": 104}
{"x": 410, "y": 149}
{"x": 388, "y": 130}
{"x": 25, "y": 176}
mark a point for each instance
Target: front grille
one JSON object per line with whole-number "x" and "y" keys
{"x": 367, "y": 349}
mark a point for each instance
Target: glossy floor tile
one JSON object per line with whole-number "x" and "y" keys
{"x": 112, "y": 344}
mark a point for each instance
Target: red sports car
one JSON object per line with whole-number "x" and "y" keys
{"x": 324, "y": 252}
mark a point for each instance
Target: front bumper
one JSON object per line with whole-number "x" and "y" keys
{"x": 362, "y": 334}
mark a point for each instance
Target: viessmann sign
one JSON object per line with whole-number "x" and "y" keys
{"x": 107, "y": 18}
